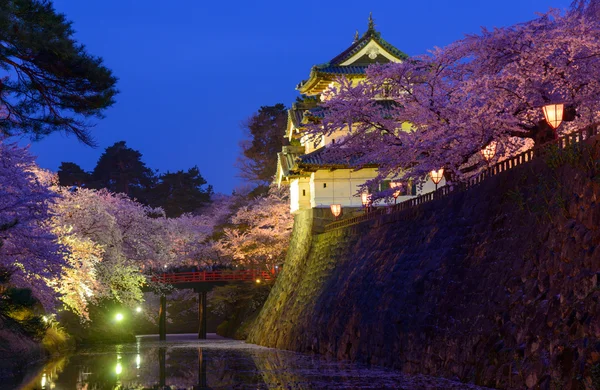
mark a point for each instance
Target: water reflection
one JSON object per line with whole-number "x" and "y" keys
{"x": 183, "y": 363}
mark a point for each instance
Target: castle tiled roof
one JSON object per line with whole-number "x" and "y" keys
{"x": 334, "y": 68}
{"x": 387, "y": 107}
{"x": 341, "y": 70}
{"x": 318, "y": 160}
{"x": 371, "y": 33}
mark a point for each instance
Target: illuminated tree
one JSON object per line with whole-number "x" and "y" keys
{"x": 190, "y": 236}
{"x": 29, "y": 253}
{"x": 260, "y": 232}
{"x": 115, "y": 237}
{"x": 458, "y": 99}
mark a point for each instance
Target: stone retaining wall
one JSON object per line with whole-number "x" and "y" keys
{"x": 497, "y": 286}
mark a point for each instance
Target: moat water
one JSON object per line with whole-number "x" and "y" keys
{"x": 183, "y": 362}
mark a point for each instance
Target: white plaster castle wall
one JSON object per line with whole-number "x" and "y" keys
{"x": 342, "y": 185}
{"x": 300, "y": 194}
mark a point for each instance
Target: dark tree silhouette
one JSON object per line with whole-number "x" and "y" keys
{"x": 181, "y": 192}
{"x": 265, "y": 130}
{"x": 71, "y": 174}
{"x": 121, "y": 169}
{"x": 51, "y": 83}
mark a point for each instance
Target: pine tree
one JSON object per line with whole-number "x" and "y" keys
{"x": 71, "y": 174}
{"x": 181, "y": 192}
{"x": 51, "y": 83}
{"x": 121, "y": 169}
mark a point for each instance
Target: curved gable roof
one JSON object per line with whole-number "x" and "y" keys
{"x": 349, "y": 62}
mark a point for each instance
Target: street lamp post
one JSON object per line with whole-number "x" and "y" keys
{"x": 436, "y": 176}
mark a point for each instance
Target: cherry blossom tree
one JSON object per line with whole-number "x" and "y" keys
{"x": 441, "y": 109}
{"x": 29, "y": 251}
{"x": 260, "y": 232}
{"x": 190, "y": 236}
{"x": 111, "y": 239}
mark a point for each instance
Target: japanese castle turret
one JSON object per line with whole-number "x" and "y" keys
{"x": 312, "y": 182}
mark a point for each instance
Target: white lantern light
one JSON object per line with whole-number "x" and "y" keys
{"x": 553, "y": 114}
{"x": 365, "y": 197}
{"x": 436, "y": 176}
{"x": 336, "y": 209}
{"x": 489, "y": 151}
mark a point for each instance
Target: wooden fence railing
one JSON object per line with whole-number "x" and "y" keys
{"x": 503, "y": 166}
{"x": 214, "y": 276}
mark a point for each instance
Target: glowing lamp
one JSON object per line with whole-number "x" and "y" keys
{"x": 119, "y": 317}
{"x": 118, "y": 369}
{"x": 336, "y": 209}
{"x": 489, "y": 151}
{"x": 257, "y": 281}
{"x": 365, "y": 197}
{"x": 436, "y": 176}
{"x": 553, "y": 114}
{"x": 397, "y": 185}
{"x": 138, "y": 309}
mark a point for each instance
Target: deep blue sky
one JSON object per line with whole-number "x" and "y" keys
{"x": 190, "y": 71}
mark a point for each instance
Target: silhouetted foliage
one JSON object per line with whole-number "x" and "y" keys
{"x": 181, "y": 192}
{"x": 121, "y": 169}
{"x": 71, "y": 174}
{"x": 265, "y": 130}
{"x": 51, "y": 83}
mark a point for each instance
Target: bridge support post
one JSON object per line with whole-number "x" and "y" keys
{"x": 162, "y": 367}
{"x": 162, "y": 318}
{"x": 202, "y": 315}
{"x": 202, "y": 384}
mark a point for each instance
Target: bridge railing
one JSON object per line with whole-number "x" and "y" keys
{"x": 503, "y": 166}
{"x": 213, "y": 276}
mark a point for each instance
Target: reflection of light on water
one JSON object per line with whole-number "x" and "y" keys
{"x": 119, "y": 366}
{"x": 138, "y": 361}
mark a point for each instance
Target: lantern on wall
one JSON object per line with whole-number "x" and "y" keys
{"x": 436, "y": 176}
{"x": 336, "y": 210}
{"x": 365, "y": 198}
{"x": 489, "y": 151}
{"x": 553, "y": 113}
{"x": 398, "y": 186}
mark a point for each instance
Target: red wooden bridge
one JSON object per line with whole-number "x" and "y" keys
{"x": 215, "y": 276}
{"x": 202, "y": 282}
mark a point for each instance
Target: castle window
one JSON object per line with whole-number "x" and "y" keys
{"x": 324, "y": 185}
{"x": 303, "y": 192}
